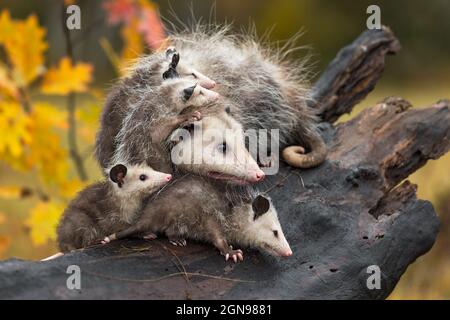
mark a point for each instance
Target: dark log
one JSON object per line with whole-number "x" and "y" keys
{"x": 352, "y": 75}
{"x": 340, "y": 218}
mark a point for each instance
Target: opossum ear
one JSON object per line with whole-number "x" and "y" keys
{"x": 170, "y": 51}
{"x": 117, "y": 174}
{"x": 187, "y": 92}
{"x": 172, "y": 71}
{"x": 260, "y": 206}
{"x": 175, "y": 60}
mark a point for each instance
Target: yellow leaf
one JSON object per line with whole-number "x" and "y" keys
{"x": 70, "y": 188}
{"x": 50, "y": 114}
{"x": 8, "y": 88}
{"x": 14, "y": 124}
{"x": 88, "y": 117}
{"x": 25, "y": 48}
{"x": 67, "y": 78}
{"x": 46, "y": 152}
{"x": 6, "y": 26}
{"x": 2, "y": 218}
{"x": 10, "y": 193}
{"x": 43, "y": 221}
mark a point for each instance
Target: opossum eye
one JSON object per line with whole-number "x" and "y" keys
{"x": 142, "y": 177}
{"x": 222, "y": 147}
{"x": 190, "y": 127}
{"x": 275, "y": 233}
{"x": 194, "y": 75}
{"x": 187, "y": 92}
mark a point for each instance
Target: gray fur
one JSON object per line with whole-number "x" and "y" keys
{"x": 194, "y": 207}
{"x": 106, "y": 207}
{"x": 271, "y": 92}
{"x": 135, "y": 89}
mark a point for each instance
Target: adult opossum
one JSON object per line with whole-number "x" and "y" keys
{"x": 222, "y": 158}
{"x": 148, "y": 124}
{"x": 269, "y": 90}
{"x": 131, "y": 91}
{"x": 214, "y": 147}
{"x": 194, "y": 207}
{"x": 107, "y": 206}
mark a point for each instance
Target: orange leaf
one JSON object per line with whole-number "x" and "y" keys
{"x": 4, "y": 243}
{"x": 119, "y": 10}
{"x": 133, "y": 44}
{"x": 151, "y": 26}
{"x": 67, "y": 78}
{"x": 6, "y": 26}
{"x": 2, "y": 218}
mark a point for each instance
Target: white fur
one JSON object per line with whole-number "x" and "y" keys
{"x": 131, "y": 194}
{"x": 198, "y": 152}
{"x": 259, "y": 232}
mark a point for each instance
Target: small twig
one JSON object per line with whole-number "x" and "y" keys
{"x": 183, "y": 269}
{"x": 300, "y": 176}
{"x": 22, "y": 94}
{"x": 71, "y": 108}
{"x": 279, "y": 183}
{"x": 193, "y": 274}
{"x": 24, "y": 99}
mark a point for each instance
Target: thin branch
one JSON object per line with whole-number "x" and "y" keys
{"x": 192, "y": 274}
{"x": 22, "y": 94}
{"x": 71, "y": 108}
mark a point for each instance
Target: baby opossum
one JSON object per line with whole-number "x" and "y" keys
{"x": 132, "y": 90}
{"x": 107, "y": 206}
{"x": 194, "y": 207}
{"x": 269, "y": 90}
{"x": 145, "y": 129}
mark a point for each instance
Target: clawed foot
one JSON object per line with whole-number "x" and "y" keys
{"x": 234, "y": 254}
{"x": 193, "y": 117}
{"x": 150, "y": 236}
{"x": 105, "y": 240}
{"x": 178, "y": 242}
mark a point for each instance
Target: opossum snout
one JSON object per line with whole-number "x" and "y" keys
{"x": 207, "y": 83}
{"x": 286, "y": 253}
{"x": 259, "y": 175}
{"x": 168, "y": 177}
{"x": 214, "y": 96}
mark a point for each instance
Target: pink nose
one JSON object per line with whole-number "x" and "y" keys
{"x": 287, "y": 253}
{"x": 168, "y": 177}
{"x": 260, "y": 175}
{"x": 208, "y": 84}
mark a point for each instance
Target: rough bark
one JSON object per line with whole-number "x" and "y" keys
{"x": 348, "y": 214}
{"x": 353, "y": 74}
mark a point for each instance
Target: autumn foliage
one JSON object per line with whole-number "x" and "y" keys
{"x": 35, "y": 129}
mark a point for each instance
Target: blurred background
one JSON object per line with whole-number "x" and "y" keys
{"x": 52, "y": 86}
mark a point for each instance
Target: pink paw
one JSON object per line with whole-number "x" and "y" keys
{"x": 150, "y": 236}
{"x": 235, "y": 255}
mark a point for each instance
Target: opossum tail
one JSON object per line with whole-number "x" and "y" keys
{"x": 296, "y": 157}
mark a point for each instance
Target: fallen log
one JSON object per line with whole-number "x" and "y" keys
{"x": 352, "y": 213}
